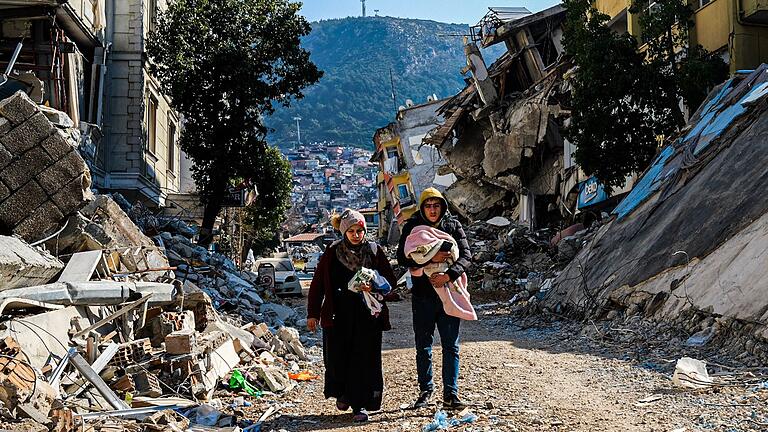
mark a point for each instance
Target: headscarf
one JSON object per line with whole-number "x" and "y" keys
{"x": 353, "y": 257}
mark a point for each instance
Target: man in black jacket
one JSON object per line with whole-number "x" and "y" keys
{"x": 426, "y": 305}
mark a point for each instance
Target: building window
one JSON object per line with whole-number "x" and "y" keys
{"x": 702, "y": 3}
{"x": 171, "y": 147}
{"x": 151, "y": 123}
{"x": 406, "y": 198}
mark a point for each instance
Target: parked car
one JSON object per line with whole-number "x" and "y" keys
{"x": 286, "y": 280}
{"x": 312, "y": 260}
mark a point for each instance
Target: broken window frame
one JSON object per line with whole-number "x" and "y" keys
{"x": 405, "y": 199}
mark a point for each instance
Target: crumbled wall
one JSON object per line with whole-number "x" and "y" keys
{"x": 42, "y": 177}
{"x": 22, "y": 265}
{"x": 698, "y": 242}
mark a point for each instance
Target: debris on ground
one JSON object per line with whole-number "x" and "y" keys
{"x": 114, "y": 319}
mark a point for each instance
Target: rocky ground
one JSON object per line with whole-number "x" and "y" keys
{"x": 556, "y": 375}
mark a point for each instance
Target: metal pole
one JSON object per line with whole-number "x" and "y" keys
{"x": 298, "y": 131}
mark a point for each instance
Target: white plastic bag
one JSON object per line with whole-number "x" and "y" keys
{"x": 691, "y": 373}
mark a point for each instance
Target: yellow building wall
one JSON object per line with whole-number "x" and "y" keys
{"x": 611, "y": 7}
{"x": 712, "y": 25}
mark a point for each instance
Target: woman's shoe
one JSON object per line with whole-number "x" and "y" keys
{"x": 341, "y": 406}
{"x": 360, "y": 417}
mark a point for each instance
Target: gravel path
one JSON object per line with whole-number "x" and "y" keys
{"x": 551, "y": 378}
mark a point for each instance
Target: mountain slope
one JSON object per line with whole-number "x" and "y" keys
{"x": 354, "y": 98}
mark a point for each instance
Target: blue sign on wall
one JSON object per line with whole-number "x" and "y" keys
{"x": 591, "y": 192}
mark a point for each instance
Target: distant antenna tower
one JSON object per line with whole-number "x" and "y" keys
{"x": 363, "y": 2}
{"x": 376, "y": 11}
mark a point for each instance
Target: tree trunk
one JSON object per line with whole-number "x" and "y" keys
{"x": 212, "y": 208}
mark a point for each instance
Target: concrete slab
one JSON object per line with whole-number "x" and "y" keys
{"x": 81, "y": 266}
{"x": 21, "y": 265}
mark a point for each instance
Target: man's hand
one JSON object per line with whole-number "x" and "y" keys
{"x": 312, "y": 324}
{"x": 439, "y": 280}
{"x": 442, "y": 257}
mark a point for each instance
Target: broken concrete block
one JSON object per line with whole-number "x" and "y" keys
{"x": 26, "y": 167}
{"x": 180, "y": 342}
{"x": 472, "y": 200}
{"x": 18, "y": 108}
{"x": 43, "y": 220}
{"x": 275, "y": 378}
{"x": 57, "y": 145}
{"x": 58, "y": 118}
{"x": 36, "y": 166}
{"x": 28, "y": 134}
{"x": 502, "y": 154}
{"x": 22, "y": 265}
{"x": 147, "y": 384}
{"x": 221, "y": 361}
{"x": 102, "y": 224}
{"x": 21, "y": 204}
{"x": 159, "y": 327}
{"x": 112, "y": 229}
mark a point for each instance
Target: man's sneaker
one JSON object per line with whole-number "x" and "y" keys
{"x": 423, "y": 399}
{"x": 453, "y": 403}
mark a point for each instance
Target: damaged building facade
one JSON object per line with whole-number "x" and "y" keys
{"x": 407, "y": 166}
{"x": 86, "y": 59}
{"x": 502, "y": 135}
{"x": 735, "y": 29}
{"x": 687, "y": 245}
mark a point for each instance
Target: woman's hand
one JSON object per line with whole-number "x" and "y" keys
{"x": 439, "y": 280}
{"x": 312, "y": 324}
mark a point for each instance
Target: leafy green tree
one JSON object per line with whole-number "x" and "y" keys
{"x": 690, "y": 71}
{"x": 264, "y": 217}
{"x": 618, "y": 106}
{"x": 226, "y": 64}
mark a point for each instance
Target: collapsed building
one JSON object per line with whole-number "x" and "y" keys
{"x": 407, "y": 166}
{"x": 687, "y": 245}
{"x": 502, "y": 134}
{"x": 111, "y": 316}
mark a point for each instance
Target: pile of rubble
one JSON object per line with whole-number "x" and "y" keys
{"x": 517, "y": 261}
{"x": 107, "y": 328}
{"x": 667, "y": 252}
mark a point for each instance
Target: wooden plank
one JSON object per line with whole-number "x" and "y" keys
{"x": 81, "y": 266}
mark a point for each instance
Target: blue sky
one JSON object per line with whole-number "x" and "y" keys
{"x": 450, "y": 11}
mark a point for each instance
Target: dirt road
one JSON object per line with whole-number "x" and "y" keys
{"x": 533, "y": 380}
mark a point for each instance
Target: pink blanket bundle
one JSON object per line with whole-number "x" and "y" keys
{"x": 421, "y": 246}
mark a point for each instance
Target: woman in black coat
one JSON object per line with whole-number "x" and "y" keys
{"x": 351, "y": 333}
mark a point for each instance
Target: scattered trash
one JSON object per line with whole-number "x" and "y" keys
{"x": 648, "y": 400}
{"x": 691, "y": 373}
{"x": 303, "y": 376}
{"x": 441, "y": 421}
{"x": 237, "y": 381}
